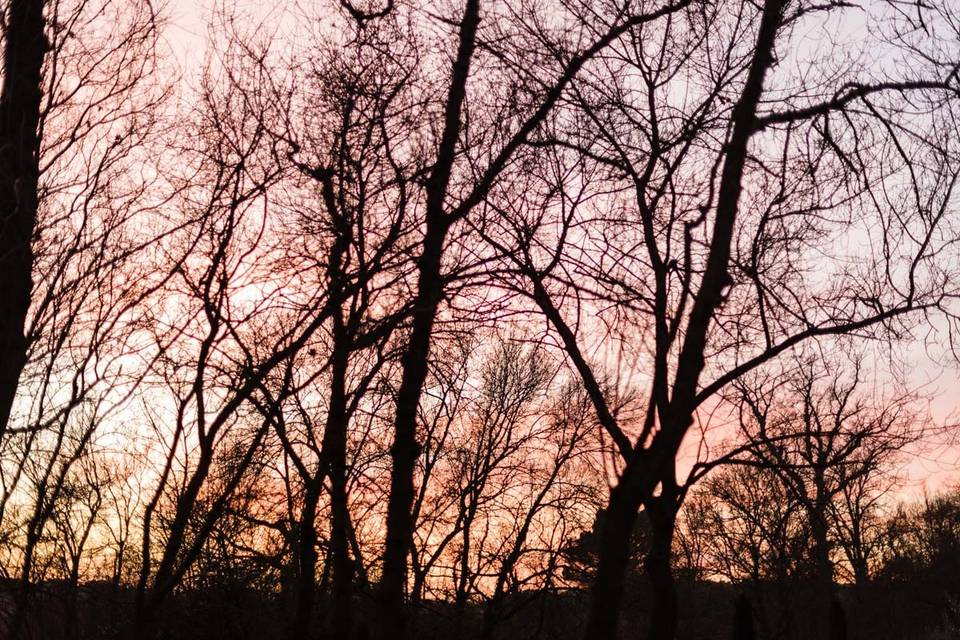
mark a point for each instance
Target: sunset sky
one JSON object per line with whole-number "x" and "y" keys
{"x": 480, "y": 319}
{"x": 933, "y": 370}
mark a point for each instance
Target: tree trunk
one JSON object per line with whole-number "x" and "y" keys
{"x": 26, "y": 45}
{"x": 823, "y": 578}
{"x": 405, "y": 450}
{"x": 335, "y": 451}
{"x": 838, "y": 621}
{"x": 391, "y": 616}
{"x": 463, "y": 580}
{"x": 663, "y": 614}
{"x": 19, "y": 624}
{"x": 71, "y": 629}
{"x": 145, "y": 618}
{"x": 743, "y": 619}
{"x": 615, "y": 538}
{"x": 306, "y": 577}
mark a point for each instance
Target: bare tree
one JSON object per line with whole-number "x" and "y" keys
{"x": 722, "y": 203}
{"x": 824, "y": 437}
{"x": 444, "y": 209}
{"x": 355, "y": 251}
{"x": 755, "y": 533}
{"x": 82, "y": 259}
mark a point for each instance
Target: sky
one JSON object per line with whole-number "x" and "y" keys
{"x": 931, "y": 368}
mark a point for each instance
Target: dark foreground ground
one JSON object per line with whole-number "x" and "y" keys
{"x": 890, "y": 612}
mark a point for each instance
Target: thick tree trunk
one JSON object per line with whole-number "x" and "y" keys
{"x": 663, "y": 614}
{"x": 391, "y": 616}
{"x": 615, "y": 538}
{"x": 26, "y": 45}
{"x": 823, "y": 580}
{"x": 743, "y": 619}
{"x": 19, "y": 625}
{"x": 838, "y": 621}
{"x": 145, "y": 619}
{"x": 861, "y": 572}
{"x": 71, "y": 630}
{"x": 489, "y": 622}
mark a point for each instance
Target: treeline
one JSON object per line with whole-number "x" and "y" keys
{"x": 744, "y": 542}
{"x": 391, "y": 319}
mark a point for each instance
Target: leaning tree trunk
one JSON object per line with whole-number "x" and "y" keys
{"x": 26, "y": 45}
{"x": 391, "y": 614}
{"x": 20, "y": 96}
{"x": 637, "y": 483}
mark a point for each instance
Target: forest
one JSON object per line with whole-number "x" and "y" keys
{"x": 480, "y": 319}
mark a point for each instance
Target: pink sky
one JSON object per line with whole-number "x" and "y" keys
{"x": 930, "y": 470}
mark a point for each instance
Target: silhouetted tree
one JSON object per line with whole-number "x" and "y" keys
{"x": 820, "y": 434}
{"x": 25, "y": 46}
{"x": 712, "y": 275}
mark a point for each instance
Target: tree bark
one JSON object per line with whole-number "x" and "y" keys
{"x": 20, "y": 97}
{"x": 664, "y": 611}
